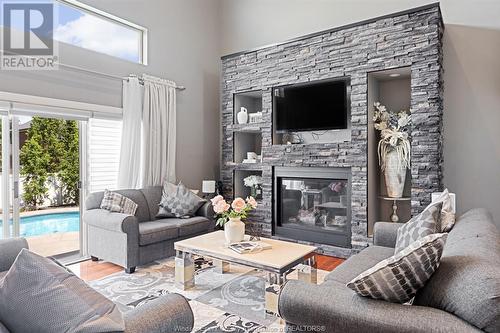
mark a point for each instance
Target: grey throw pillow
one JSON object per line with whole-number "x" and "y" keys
{"x": 178, "y": 201}
{"x": 425, "y": 223}
{"x": 397, "y": 279}
{"x": 37, "y": 295}
{"x": 115, "y": 202}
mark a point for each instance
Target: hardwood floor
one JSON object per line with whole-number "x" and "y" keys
{"x": 94, "y": 270}
{"x": 328, "y": 263}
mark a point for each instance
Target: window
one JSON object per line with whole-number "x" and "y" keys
{"x": 78, "y": 24}
{"x": 93, "y": 29}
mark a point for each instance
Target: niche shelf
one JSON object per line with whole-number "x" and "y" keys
{"x": 393, "y": 89}
{"x": 239, "y": 188}
{"x": 251, "y": 100}
{"x": 246, "y": 142}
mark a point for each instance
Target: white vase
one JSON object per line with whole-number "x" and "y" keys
{"x": 242, "y": 116}
{"x": 234, "y": 230}
{"x": 395, "y": 175}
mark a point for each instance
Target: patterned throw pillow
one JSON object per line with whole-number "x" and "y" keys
{"x": 115, "y": 202}
{"x": 447, "y": 220}
{"x": 425, "y": 223}
{"x": 397, "y": 279}
{"x": 178, "y": 201}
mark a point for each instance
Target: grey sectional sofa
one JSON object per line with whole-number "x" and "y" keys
{"x": 169, "y": 313}
{"x": 130, "y": 241}
{"x": 463, "y": 295}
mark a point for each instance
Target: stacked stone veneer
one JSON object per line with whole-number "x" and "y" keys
{"x": 412, "y": 38}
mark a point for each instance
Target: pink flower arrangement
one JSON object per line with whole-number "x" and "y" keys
{"x": 239, "y": 208}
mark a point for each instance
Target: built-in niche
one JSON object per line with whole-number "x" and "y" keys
{"x": 247, "y": 146}
{"x": 240, "y": 189}
{"x": 392, "y": 88}
{"x": 251, "y": 101}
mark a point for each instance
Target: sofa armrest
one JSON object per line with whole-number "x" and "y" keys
{"x": 111, "y": 221}
{"x": 169, "y": 313}
{"x": 206, "y": 210}
{"x": 9, "y": 249}
{"x": 385, "y": 233}
{"x": 332, "y": 307}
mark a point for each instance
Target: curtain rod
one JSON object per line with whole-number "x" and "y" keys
{"x": 141, "y": 81}
{"x": 85, "y": 70}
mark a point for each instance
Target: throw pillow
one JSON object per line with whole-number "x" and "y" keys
{"x": 421, "y": 225}
{"x": 115, "y": 202}
{"x": 397, "y": 279}
{"x": 178, "y": 201}
{"x": 40, "y": 296}
{"x": 447, "y": 220}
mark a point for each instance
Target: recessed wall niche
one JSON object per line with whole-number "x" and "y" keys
{"x": 391, "y": 88}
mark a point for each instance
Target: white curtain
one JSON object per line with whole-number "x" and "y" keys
{"x": 129, "y": 171}
{"x": 159, "y": 131}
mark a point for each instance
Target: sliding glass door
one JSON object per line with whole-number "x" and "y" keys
{"x": 41, "y": 182}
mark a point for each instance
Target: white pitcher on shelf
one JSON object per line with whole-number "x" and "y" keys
{"x": 242, "y": 115}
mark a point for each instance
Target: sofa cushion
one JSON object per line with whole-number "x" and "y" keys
{"x": 115, "y": 202}
{"x": 419, "y": 226}
{"x": 397, "y": 279}
{"x": 192, "y": 225}
{"x": 467, "y": 282}
{"x": 40, "y": 296}
{"x": 153, "y": 197}
{"x": 2, "y": 274}
{"x": 157, "y": 231}
{"x": 359, "y": 263}
{"x": 93, "y": 201}
{"x": 178, "y": 201}
{"x": 3, "y": 329}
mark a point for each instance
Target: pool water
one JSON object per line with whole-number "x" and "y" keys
{"x": 48, "y": 224}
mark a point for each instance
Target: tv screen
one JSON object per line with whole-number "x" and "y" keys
{"x": 312, "y": 106}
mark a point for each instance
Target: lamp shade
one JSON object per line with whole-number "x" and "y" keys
{"x": 208, "y": 186}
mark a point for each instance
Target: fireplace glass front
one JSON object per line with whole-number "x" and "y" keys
{"x": 313, "y": 206}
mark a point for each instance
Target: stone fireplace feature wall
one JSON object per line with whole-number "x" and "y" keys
{"x": 406, "y": 39}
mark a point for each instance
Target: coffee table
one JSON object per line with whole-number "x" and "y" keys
{"x": 277, "y": 262}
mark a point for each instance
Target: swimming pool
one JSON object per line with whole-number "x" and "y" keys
{"x": 48, "y": 224}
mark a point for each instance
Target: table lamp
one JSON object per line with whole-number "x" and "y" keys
{"x": 208, "y": 187}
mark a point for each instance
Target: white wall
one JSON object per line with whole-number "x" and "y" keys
{"x": 471, "y": 78}
{"x": 183, "y": 46}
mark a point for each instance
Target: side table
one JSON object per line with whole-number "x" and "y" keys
{"x": 394, "y": 215}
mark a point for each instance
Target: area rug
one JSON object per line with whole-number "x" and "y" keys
{"x": 229, "y": 302}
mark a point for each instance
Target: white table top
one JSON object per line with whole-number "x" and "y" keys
{"x": 281, "y": 257}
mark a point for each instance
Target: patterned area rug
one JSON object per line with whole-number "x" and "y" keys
{"x": 229, "y": 302}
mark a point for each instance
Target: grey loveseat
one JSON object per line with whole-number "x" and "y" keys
{"x": 130, "y": 241}
{"x": 169, "y": 313}
{"x": 463, "y": 295}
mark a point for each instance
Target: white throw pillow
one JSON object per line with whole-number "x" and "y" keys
{"x": 447, "y": 220}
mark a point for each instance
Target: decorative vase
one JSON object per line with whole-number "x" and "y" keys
{"x": 395, "y": 175}
{"x": 253, "y": 191}
{"x": 242, "y": 116}
{"x": 234, "y": 230}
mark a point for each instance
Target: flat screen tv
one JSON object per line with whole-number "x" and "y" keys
{"x": 312, "y": 106}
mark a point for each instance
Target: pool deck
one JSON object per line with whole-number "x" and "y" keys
{"x": 57, "y": 243}
{"x": 53, "y": 244}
